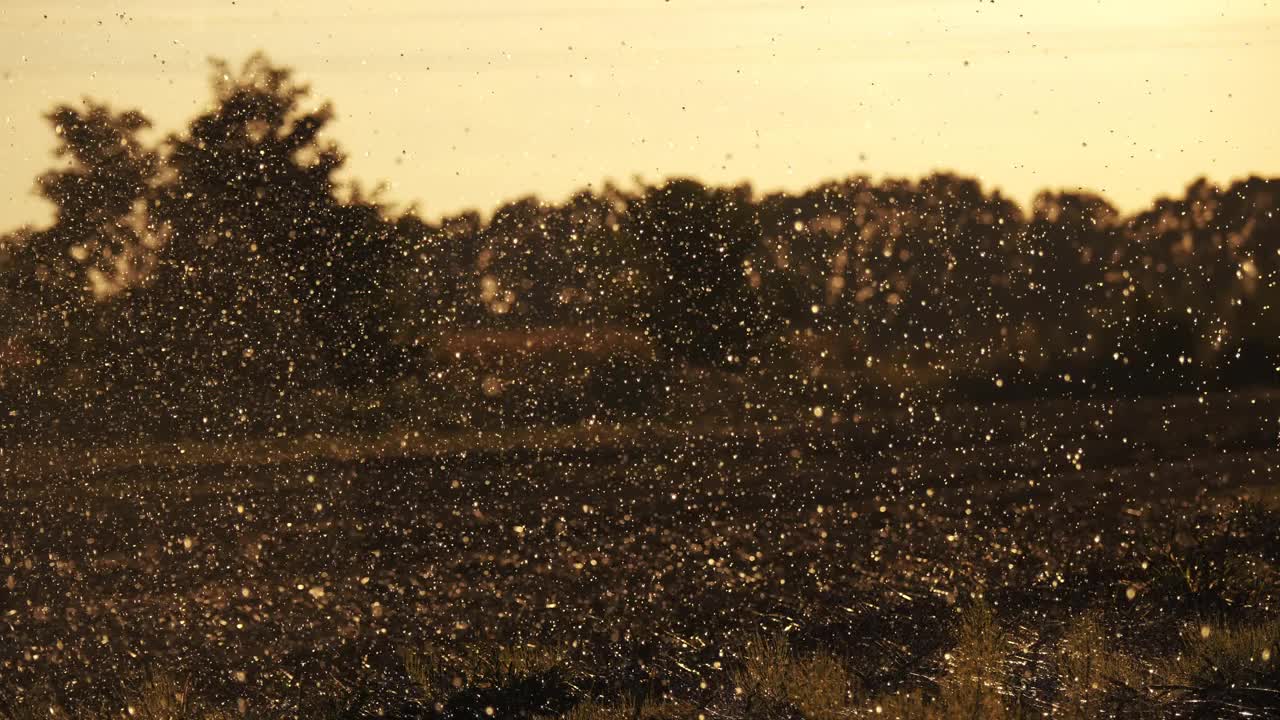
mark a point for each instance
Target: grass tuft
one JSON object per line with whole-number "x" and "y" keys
{"x": 1228, "y": 669}
{"x": 493, "y": 679}
{"x": 774, "y": 680}
{"x": 1093, "y": 679}
{"x": 972, "y": 688}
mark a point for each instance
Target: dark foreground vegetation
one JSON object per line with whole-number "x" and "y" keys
{"x": 1121, "y": 561}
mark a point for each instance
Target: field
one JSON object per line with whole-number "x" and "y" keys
{"x": 1076, "y": 558}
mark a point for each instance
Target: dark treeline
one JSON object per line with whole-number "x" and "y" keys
{"x": 221, "y": 278}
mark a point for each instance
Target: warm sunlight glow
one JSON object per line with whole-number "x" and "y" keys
{"x": 467, "y": 105}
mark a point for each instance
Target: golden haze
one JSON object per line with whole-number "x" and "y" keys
{"x": 466, "y": 105}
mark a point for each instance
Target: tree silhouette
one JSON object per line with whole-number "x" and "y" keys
{"x": 225, "y": 273}
{"x": 65, "y": 282}
{"x": 704, "y": 311}
{"x": 99, "y": 200}
{"x": 268, "y": 281}
{"x": 1072, "y": 251}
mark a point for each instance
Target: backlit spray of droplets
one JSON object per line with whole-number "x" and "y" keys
{"x": 879, "y": 448}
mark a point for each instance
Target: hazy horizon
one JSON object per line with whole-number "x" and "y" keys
{"x": 461, "y": 109}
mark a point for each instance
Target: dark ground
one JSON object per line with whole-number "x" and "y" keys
{"x": 650, "y": 555}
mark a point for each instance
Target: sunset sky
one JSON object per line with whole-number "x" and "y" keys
{"x": 460, "y": 105}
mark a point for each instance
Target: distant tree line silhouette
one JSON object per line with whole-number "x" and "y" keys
{"x": 224, "y": 271}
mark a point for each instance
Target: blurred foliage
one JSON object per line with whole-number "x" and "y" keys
{"x": 215, "y": 280}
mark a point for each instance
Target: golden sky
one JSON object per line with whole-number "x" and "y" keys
{"x": 467, "y": 104}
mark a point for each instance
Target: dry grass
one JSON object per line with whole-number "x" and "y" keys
{"x": 1093, "y": 679}
{"x": 627, "y": 710}
{"x": 774, "y": 679}
{"x": 1227, "y": 669}
{"x": 1220, "y": 670}
{"x": 972, "y": 686}
{"x": 160, "y": 696}
{"x": 524, "y": 673}
{"x": 972, "y": 689}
